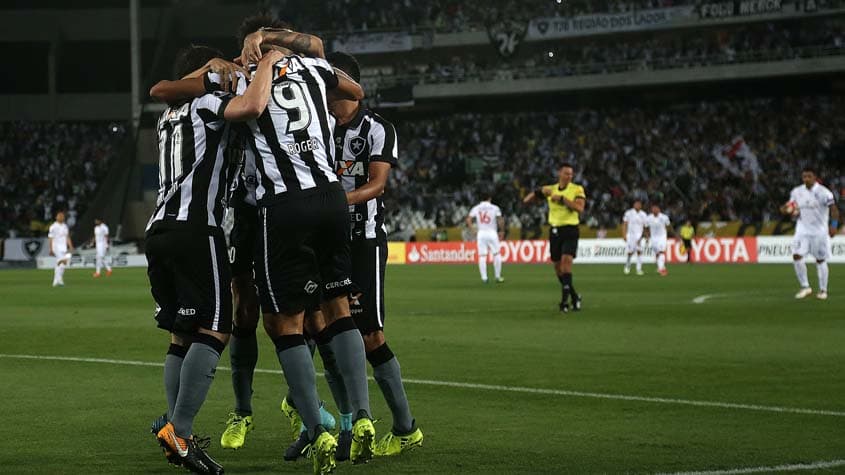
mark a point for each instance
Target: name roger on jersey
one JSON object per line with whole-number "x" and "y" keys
{"x": 304, "y": 146}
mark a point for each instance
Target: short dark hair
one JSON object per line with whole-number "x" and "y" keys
{"x": 253, "y": 23}
{"x": 346, "y": 63}
{"x": 566, "y": 165}
{"x": 809, "y": 169}
{"x": 192, "y": 58}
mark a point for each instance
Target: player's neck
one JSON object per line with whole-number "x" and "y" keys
{"x": 346, "y": 111}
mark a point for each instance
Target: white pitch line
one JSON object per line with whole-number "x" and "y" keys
{"x": 492, "y": 387}
{"x": 777, "y": 468}
{"x": 703, "y": 298}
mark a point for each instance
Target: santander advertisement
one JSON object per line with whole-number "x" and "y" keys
{"x": 715, "y": 250}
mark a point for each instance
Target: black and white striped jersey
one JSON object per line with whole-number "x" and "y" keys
{"x": 192, "y": 140}
{"x": 291, "y": 142}
{"x": 367, "y": 138}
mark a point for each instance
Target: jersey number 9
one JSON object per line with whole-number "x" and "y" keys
{"x": 289, "y": 96}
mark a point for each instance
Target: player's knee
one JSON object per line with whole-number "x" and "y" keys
{"x": 212, "y": 338}
{"x": 276, "y": 324}
{"x": 373, "y": 340}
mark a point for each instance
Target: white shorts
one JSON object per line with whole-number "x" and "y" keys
{"x": 101, "y": 253}
{"x": 658, "y": 245}
{"x": 487, "y": 241}
{"x": 817, "y": 246}
{"x": 632, "y": 244}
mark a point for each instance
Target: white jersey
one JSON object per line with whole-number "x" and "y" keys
{"x": 813, "y": 209}
{"x": 101, "y": 238}
{"x": 58, "y": 233}
{"x": 486, "y": 214}
{"x": 657, "y": 226}
{"x": 636, "y": 222}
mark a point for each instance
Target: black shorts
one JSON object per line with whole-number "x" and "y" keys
{"x": 242, "y": 239}
{"x": 302, "y": 257}
{"x": 563, "y": 241}
{"x": 369, "y": 261}
{"x": 189, "y": 279}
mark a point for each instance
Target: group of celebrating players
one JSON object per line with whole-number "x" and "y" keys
{"x": 279, "y": 138}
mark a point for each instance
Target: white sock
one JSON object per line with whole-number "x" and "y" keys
{"x": 824, "y": 273}
{"x": 497, "y": 265}
{"x": 99, "y": 264}
{"x": 61, "y": 272}
{"x": 628, "y": 262}
{"x": 639, "y": 262}
{"x": 482, "y": 267}
{"x": 56, "y": 275}
{"x": 661, "y": 261}
{"x": 107, "y": 261}
{"x": 801, "y": 273}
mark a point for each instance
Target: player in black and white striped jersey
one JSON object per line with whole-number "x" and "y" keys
{"x": 186, "y": 252}
{"x": 367, "y": 149}
{"x": 302, "y": 261}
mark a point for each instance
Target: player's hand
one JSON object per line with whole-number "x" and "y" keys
{"x": 546, "y": 191}
{"x": 228, "y": 73}
{"x": 833, "y": 231}
{"x": 272, "y": 57}
{"x": 251, "y": 52}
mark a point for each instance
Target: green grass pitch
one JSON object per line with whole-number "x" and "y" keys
{"x": 749, "y": 343}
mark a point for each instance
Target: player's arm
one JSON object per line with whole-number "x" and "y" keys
{"x": 300, "y": 43}
{"x": 834, "y": 219}
{"x": 374, "y": 187}
{"x": 624, "y": 229}
{"x": 254, "y": 100}
{"x": 468, "y": 221}
{"x": 69, "y": 243}
{"x": 194, "y": 84}
{"x": 50, "y": 243}
{"x": 500, "y": 221}
{"x": 345, "y": 89}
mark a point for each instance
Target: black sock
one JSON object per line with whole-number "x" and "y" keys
{"x": 565, "y": 286}
{"x": 572, "y": 292}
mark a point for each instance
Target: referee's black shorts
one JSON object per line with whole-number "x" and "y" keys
{"x": 302, "y": 256}
{"x": 563, "y": 241}
{"x": 242, "y": 238}
{"x": 369, "y": 261}
{"x": 190, "y": 280}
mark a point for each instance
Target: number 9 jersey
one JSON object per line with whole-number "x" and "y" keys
{"x": 292, "y": 140}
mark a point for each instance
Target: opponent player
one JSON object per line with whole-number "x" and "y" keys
{"x": 490, "y": 228}
{"x": 186, "y": 253}
{"x": 657, "y": 224}
{"x": 366, "y": 150}
{"x": 633, "y": 225}
{"x": 101, "y": 242}
{"x": 60, "y": 243}
{"x": 566, "y": 203}
{"x": 818, "y": 220}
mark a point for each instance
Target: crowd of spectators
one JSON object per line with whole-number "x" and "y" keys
{"x": 445, "y": 16}
{"x": 46, "y": 167}
{"x": 660, "y": 154}
{"x": 746, "y": 43}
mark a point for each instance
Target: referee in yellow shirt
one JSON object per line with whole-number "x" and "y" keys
{"x": 566, "y": 203}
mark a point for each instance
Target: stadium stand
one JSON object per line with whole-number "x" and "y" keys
{"x": 699, "y": 160}
{"x": 46, "y": 167}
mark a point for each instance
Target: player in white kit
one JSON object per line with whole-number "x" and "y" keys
{"x": 657, "y": 224}
{"x": 633, "y": 225}
{"x": 817, "y": 220}
{"x": 101, "y": 241}
{"x": 60, "y": 243}
{"x": 491, "y": 227}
